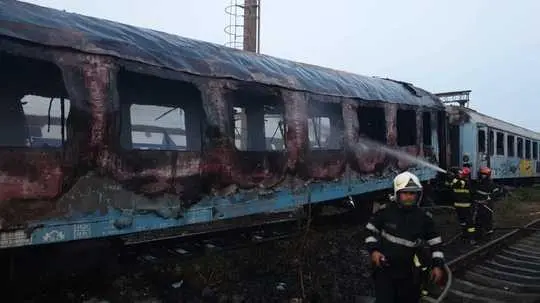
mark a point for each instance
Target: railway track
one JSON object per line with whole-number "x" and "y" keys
{"x": 506, "y": 269}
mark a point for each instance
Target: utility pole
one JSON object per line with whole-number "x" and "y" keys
{"x": 251, "y": 27}
{"x": 244, "y": 28}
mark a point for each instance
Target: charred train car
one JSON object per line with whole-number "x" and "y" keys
{"x": 108, "y": 130}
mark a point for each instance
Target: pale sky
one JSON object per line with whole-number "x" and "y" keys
{"x": 491, "y": 47}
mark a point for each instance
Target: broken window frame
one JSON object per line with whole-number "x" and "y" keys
{"x": 271, "y": 101}
{"x": 381, "y": 130}
{"x": 169, "y": 103}
{"x": 427, "y": 129}
{"x": 336, "y": 126}
{"x": 59, "y": 101}
{"x": 407, "y": 136}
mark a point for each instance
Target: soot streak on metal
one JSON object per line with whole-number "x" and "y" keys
{"x": 93, "y": 172}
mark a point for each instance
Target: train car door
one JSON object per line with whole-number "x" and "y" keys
{"x": 455, "y": 146}
{"x": 482, "y": 158}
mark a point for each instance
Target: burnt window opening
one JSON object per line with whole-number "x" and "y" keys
{"x": 325, "y": 126}
{"x": 372, "y": 123}
{"x": 258, "y": 118}
{"x": 491, "y": 142}
{"x": 159, "y": 114}
{"x": 519, "y": 147}
{"x": 406, "y": 127}
{"x": 527, "y": 149}
{"x": 34, "y": 102}
{"x": 426, "y": 128}
{"x": 481, "y": 141}
{"x": 535, "y": 150}
{"x": 511, "y": 146}
{"x": 500, "y": 144}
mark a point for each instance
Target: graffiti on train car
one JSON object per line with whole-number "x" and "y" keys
{"x": 526, "y": 168}
{"x": 505, "y": 168}
{"x": 511, "y": 168}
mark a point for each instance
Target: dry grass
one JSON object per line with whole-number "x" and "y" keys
{"x": 519, "y": 208}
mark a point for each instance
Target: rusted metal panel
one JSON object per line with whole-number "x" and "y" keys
{"x": 95, "y": 177}
{"x": 296, "y": 115}
{"x": 97, "y": 36}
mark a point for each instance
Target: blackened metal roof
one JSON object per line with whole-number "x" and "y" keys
{"x": 57, "y": 28}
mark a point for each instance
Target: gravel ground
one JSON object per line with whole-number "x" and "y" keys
{"x": 323, "y": 266}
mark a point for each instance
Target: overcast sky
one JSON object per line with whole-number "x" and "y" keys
{"x": 491, "y": 47}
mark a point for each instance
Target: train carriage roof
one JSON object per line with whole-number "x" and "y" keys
{"x": 57, "y": 28}
{"x": 479, "y": 118}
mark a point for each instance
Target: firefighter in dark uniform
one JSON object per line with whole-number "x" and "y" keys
{"x": 395, "y": 234}
{"x": 485, "y": 191}
{"x": 463, "y": 202}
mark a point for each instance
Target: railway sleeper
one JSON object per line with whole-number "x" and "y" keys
{"x": 505, "y": 260}
{"x": 491, "y": 292}
{"x": 512, "y": 269}
{"x": 494, "y": 282}
{"x": 457, "y": 296}
{"x": 530, "y": 241}
{"x": 503, "y": 275}
{"x": 525, "y": 247}
{"x": 526, "y": 251}
{"x": 528, "y": 247}
{"x": 527, "y": 256}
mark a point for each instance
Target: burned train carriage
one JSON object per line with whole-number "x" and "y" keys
{"x": 109, "y": 129}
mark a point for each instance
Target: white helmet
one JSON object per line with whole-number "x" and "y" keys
{"x": 407, "y": 182}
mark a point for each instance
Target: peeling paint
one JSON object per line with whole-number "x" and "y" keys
{"x": 94, "y": 173}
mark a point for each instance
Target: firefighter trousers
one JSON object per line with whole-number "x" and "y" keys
{"x": 484, "y": 216}
{"x": 392, "y": 287}
{"x": 464, "y": 213}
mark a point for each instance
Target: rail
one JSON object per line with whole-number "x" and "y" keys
{"x": 465, "y": 260}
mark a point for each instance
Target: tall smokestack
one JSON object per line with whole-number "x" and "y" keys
{"x": 251, "y": 8}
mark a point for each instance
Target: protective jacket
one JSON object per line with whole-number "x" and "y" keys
{"x": 398, "y": 234}
{"x": 485, "y": 188}
{"x": 461, "y": 192}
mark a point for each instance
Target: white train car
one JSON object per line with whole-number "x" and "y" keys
{"x": 476, "y": 139}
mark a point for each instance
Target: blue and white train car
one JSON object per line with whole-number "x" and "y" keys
{"x": 479, "y": 140}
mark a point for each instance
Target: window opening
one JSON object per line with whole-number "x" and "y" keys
{"x": 406, "y": 127}
{"x": 162, "y": 114}
{"x": 481, "y": 141}
{"x": 34, "y": 103}
{"x": 372, "y": 123}
{"x": 510, "y": 146}
{"x": 426, "y": 128}
{"x": 519, "y": 147}
{"x": 500, "y": 144}
{"x": 491, "y": 142}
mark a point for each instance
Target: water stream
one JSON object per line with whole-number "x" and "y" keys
{"x": 367, "y": 144}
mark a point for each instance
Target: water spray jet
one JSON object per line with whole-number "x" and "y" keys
{"x": 367, "y": 144}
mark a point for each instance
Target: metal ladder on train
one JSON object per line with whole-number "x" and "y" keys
{"x": 237, "y": 10}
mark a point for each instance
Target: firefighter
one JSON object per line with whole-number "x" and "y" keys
{"x": 395, "y": 234}
{"x": 463, "y": 202}
{"x": 485, "y": 190}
